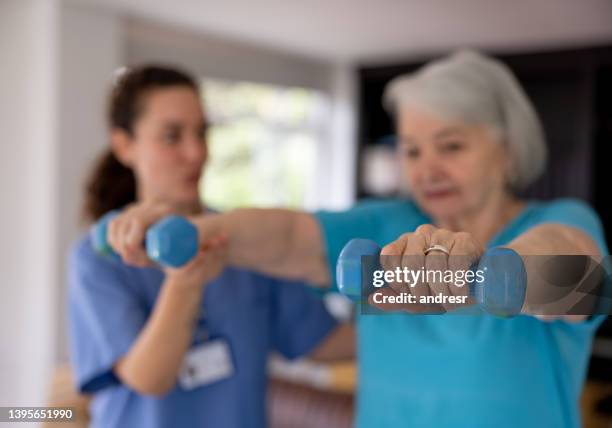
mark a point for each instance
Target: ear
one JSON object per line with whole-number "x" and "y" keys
{"x": 509, "y": 168}
{"x": 122, "y": 146}
{"x": 507, "y": 157}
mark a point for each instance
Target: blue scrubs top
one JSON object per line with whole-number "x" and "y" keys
{"x": 465, "y": 371}
{"x": 109, "y": 303}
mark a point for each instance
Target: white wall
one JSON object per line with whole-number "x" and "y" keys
{"x": 57, "y": 60}
{"x": 220, "y": 58}
{"x": 28, "y": 260}
{"x": 338, "y": 173}
{"x": 92, "y": 47}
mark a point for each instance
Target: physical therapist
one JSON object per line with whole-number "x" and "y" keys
{"x": 181, "y": 347}
{"x": 469, "y": 141}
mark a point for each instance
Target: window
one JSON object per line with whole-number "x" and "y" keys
{"x": 263, "y": 144}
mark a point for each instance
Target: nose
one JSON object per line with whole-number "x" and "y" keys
{"x": 195, "y": 151}
{"x": 430, "y": 166}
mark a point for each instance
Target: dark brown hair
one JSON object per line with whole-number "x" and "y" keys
{"x": 111, "y": 184}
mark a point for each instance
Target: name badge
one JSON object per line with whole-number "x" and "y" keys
{"x": 206, "y": 364}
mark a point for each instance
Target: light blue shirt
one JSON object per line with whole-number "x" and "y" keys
{"x": 465, "y": 371}
{"x": 109, "y": 303}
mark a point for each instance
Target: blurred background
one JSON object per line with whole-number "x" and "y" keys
{"x": 293, "y": 93}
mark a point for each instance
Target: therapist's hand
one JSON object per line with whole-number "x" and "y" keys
{"x": 126, "y": 232}
{"x": 203, "y": 268}
{"x": 409, "y": 252}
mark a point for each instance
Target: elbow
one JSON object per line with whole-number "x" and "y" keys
{"x": 152, "y": 388}
{"x": 339, "y": 345}
{"x": 157, "y": 390}
{"x": 146, "y": 384}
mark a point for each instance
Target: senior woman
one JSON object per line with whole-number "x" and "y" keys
{"x": 468, "y": 141}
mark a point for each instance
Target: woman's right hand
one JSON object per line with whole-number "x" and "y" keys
{"x": 208, "y": 263}
{"x": 126, "y": 232}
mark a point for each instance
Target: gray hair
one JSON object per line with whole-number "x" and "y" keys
{"x": 473, "y": 88}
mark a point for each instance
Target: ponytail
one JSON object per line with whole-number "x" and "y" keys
{"x": 111, "y": 186}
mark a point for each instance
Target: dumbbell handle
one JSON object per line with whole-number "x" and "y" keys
{"x": 501, "y": 293}
{"x": 171, "y": 242}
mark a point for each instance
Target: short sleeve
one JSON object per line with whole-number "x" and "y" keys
{"x": 105, "y": 316}
{"x": 575, "y": 213}
{"x": 300, "y": 320}
{"x": 379, "y": 220}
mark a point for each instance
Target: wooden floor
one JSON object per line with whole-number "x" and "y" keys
{"x": 593, "y": 392}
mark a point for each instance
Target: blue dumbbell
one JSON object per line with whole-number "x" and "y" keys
{"x": 171, "y": 242}
{"x": 501, "y": 293}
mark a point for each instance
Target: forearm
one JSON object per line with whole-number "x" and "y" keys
{"x": 554, "y": 239}
{"x": 274, "y": 241}
{"x": 337, "y": 346}
{"x": 152, "y": 364}
{"x": 260, "y": 237}
{"x": 545, "y": 297}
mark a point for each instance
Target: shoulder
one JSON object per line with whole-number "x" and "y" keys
{"x": 566, "y": 210}
{"x": 82, "y": 255}
{"x": 88, "y": 269}
{"x": 564, "y": 204}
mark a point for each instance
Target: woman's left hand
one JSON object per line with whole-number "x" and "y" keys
{"x": 428, "y": 249}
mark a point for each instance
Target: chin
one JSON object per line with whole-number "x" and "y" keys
{"x": 442, "y": 208}
{"x": 186, "y": 198}
{"x": 192, "y": 199}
